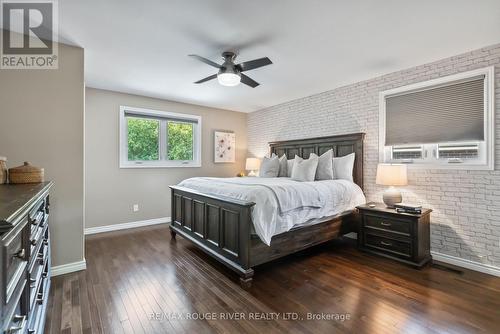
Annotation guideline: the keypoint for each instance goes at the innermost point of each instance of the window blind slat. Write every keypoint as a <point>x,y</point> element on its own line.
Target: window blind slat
<point>454,112</point>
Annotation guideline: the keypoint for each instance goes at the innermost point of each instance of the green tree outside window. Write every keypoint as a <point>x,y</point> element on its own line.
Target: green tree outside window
<point>142,139</point>
<point>179,141</point>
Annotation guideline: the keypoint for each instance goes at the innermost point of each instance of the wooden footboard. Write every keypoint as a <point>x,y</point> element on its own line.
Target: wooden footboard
<point>219,226</point>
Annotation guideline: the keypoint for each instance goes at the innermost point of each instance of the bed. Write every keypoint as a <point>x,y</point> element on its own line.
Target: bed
<point>226,218</point>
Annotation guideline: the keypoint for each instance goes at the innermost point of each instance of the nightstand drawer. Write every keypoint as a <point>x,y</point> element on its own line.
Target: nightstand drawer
<point>396,247</point>
<point>390,225</point>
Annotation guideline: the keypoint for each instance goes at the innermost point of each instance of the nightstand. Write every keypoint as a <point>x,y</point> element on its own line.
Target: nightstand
<point>400,236</point>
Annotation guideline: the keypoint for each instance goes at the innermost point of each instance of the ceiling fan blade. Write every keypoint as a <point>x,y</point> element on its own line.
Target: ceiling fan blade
<point>253,64</point>
<point>213,76</point>
<point>205,60</point>
<point>248,81</point>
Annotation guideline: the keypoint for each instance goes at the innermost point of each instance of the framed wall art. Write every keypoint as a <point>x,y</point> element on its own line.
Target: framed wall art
<point>224,147</point>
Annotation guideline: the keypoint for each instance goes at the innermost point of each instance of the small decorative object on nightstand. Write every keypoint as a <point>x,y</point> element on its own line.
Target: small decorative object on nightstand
<point>253,165</point>
<point>400,236</point>
<point>392,175</point>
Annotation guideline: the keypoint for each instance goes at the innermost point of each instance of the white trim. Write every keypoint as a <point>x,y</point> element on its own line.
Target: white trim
<point>124,226</point>
<point>489,115</point>
<point>162,163</point>
<point>68,268</point>
<point>472,265</point>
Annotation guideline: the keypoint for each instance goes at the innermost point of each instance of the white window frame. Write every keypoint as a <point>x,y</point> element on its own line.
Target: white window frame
<point>162,162</point>
<point>431,161</point>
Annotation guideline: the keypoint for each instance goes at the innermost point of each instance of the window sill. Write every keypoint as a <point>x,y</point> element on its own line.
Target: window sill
<point>457,166</point>
<point>140,166</point>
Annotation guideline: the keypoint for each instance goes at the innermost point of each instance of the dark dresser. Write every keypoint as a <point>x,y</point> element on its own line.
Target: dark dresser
<point>400,236</point>
<point>24,257</point>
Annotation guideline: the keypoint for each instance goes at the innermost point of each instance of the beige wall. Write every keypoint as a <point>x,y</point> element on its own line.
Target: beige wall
<point>111,192</point>
<point>41,121</point>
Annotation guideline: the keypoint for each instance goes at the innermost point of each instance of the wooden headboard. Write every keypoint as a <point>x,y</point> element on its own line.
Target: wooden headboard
<point>341,145</point>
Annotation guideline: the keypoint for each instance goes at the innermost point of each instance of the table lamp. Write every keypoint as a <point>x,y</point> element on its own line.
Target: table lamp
<point>252,164</point>
<point>392,175</point>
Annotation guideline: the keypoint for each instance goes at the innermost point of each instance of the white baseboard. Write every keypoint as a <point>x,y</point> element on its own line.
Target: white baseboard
<point>68,268</point>
<point>472,265</point>
<point>124,226</point>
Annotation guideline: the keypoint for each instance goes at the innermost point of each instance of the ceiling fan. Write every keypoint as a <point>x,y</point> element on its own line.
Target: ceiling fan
<point>230,74</point>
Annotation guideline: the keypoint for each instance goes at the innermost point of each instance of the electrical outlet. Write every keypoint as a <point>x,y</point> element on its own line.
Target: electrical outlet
<point>136,207</point>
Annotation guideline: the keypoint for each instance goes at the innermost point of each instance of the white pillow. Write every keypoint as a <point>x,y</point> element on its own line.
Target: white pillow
<point>304,170</point>
<point>283,169</point>
<point>269,167</point>
<point>325,166</point>
<point>289,167</point>
<point>343,166</point>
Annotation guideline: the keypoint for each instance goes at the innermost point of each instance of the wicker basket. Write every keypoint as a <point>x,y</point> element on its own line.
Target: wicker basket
<point>26,174</point>
<point>3,170</point>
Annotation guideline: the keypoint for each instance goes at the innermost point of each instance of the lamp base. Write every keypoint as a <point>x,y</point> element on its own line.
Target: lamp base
<point>252,173</point>
<point>392,196</point>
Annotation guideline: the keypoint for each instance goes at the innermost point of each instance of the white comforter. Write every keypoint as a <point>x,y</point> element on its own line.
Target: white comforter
<point>281,203</point>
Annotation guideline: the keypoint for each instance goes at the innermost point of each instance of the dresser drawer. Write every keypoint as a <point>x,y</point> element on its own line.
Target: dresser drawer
<point>37,221</point>
<point>16,316</point>
<point>388,245</point>
<point>37,270</point>
<point>15,250</point>
<point>35,278</point>
<point>37,208</point>
<point>389,225</point>
<point>37,314</point>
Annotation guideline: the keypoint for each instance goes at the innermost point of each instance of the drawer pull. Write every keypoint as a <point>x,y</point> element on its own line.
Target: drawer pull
<point>37,219</point>
<point>45,242</point>
<point>385,224</point>
<point>33,242</point>
<point>39,298</point>
<point>383,243</point>
<point>20,253</point>
<point>32,282</point>
<point>15,329</point>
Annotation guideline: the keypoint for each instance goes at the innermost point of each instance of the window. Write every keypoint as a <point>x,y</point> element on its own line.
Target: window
<point>151,138</point>
<point>442,123</point>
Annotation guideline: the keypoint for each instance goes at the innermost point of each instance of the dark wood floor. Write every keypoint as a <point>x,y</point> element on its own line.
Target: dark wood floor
<point>139,281</point>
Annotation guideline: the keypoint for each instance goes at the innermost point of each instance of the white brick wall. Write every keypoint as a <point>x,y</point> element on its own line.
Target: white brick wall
<point>466,204</point>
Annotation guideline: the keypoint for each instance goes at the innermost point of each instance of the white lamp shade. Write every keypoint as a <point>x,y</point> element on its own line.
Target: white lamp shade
<point>252,164</point>
<point>392,175</point>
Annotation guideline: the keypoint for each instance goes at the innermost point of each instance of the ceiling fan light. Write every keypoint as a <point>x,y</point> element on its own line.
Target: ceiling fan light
<point>228,79</point>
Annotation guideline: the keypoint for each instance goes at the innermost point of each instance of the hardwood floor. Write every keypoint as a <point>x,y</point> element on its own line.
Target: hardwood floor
<point>139,281</point>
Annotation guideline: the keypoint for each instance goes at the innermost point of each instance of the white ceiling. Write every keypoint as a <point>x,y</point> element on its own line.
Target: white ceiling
<point>141,47</point>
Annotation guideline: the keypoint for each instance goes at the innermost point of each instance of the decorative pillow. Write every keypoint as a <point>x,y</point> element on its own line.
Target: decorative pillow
<point>283,166</point>
<point>289,167</point>
<point>269,167</point>
<point>291,163</point>
<point>343,166</point>
<point>325,166</point>
<point>304,170</point>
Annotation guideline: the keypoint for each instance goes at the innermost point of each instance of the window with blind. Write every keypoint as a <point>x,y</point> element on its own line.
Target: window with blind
<point>152,138</point>
<point>442,123</point>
